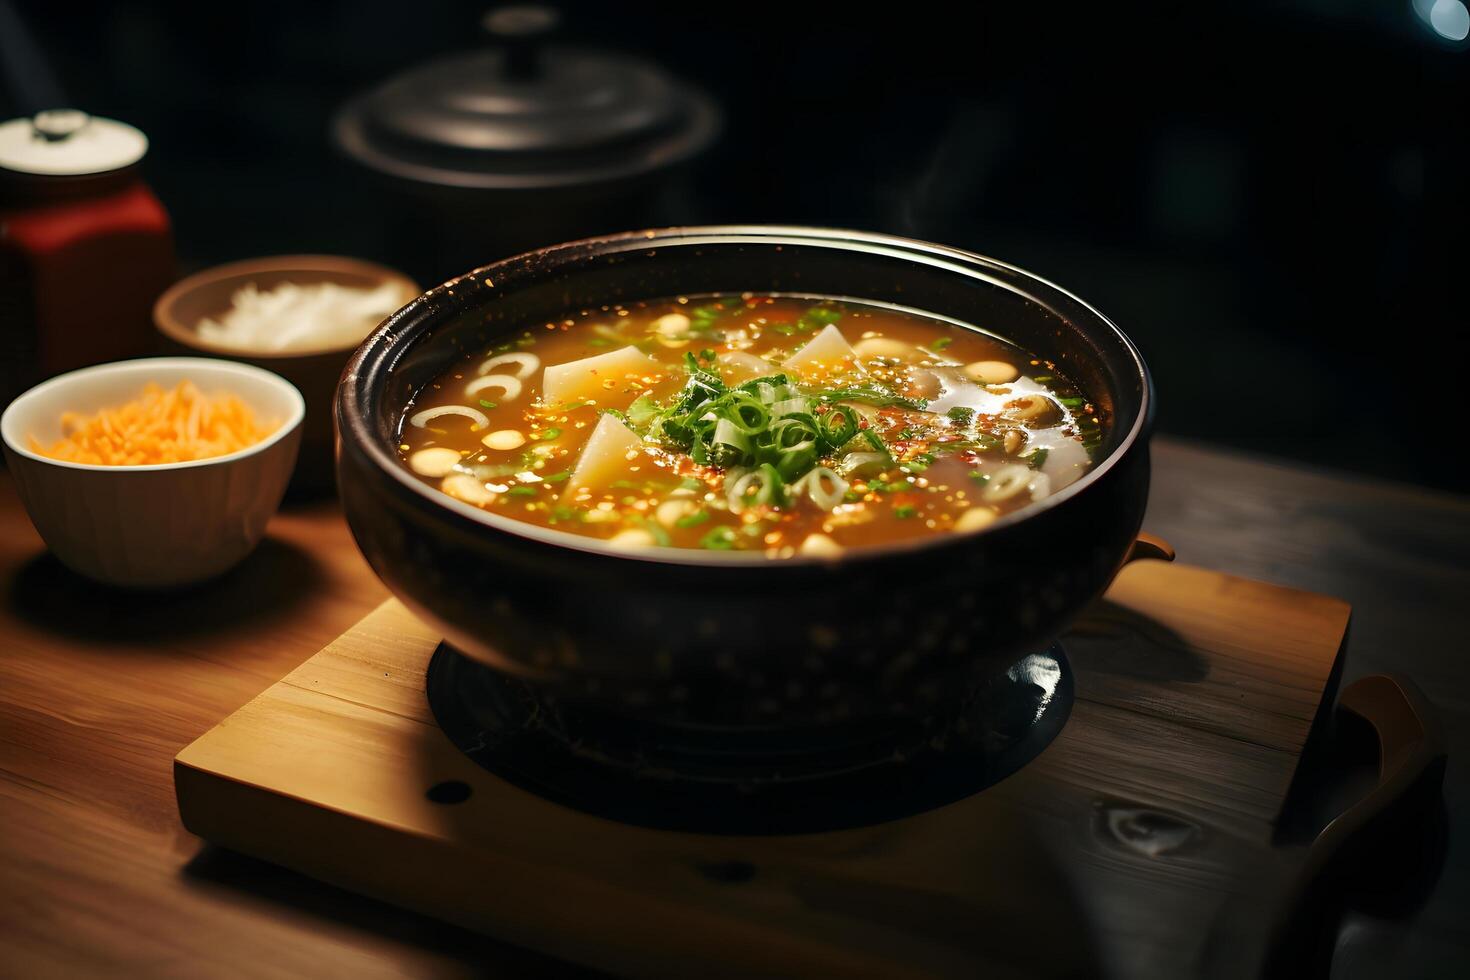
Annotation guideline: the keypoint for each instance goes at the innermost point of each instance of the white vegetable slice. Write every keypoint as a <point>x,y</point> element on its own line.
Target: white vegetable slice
<point>1040,486</point>
<point>898,350</point>
<point>526,363</point>
<point>826,350</point>
<point>738,366</point>
<point>509,387</point>
<point>1066,461</point>
<point>609,454</point>
<point>428,415</point>
<point>434,462</point>
<point>924,384</point>
<point>562,383</point>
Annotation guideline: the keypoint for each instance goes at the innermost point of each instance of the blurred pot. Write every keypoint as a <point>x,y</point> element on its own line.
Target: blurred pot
<point>520,145</point>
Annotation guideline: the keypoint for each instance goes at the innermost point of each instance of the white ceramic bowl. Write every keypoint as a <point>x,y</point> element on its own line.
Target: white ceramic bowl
<point>160,525</point>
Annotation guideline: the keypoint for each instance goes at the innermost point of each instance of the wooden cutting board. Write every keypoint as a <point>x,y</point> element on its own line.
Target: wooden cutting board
<point>1196,692</point>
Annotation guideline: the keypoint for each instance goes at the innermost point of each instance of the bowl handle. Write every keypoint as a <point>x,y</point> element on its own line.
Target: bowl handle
<point>1150,546</point>
<point>1411,762</point>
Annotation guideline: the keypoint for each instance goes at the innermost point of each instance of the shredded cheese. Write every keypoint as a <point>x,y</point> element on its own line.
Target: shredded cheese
<point>174,426</point>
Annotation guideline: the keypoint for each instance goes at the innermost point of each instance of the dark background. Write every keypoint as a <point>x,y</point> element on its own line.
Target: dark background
<point>1270,198</point>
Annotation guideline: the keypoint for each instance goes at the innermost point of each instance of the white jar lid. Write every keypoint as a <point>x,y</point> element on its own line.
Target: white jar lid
<point>69,143</point>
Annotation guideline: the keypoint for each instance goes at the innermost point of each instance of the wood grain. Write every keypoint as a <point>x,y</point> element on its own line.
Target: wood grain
<point>327,772</point>
<point>98,692</point>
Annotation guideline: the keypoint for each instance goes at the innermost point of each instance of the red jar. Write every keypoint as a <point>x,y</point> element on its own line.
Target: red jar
<point>85,247</point>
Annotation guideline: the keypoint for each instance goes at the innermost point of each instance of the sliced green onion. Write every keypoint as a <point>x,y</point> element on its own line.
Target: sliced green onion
<point>692,520</point>
<point>722,538</point>
<point>729,441</point>
<point>854,463</point>
<point>876,442</point>
<point>758,487</point>
<point>837,426</point>
<point>825,488</point>
<point>873,395</point>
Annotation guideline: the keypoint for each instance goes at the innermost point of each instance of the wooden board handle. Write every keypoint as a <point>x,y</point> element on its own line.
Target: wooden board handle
<point>1411,761</point>
<point>1150,546</point>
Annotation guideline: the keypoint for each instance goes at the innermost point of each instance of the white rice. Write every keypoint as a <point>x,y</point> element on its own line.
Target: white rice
<point>296,317</point>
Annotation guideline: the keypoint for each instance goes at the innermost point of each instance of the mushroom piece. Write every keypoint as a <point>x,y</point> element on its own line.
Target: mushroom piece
<point>670,512</point>
<point>974,519</point>
<point>671,325</point>
<point>992,372</point>
<point>820,546</point>
<point>464,487</point>
<point>898,350</point>
<point>632,539</point>
<point>435,462</point>
<point>504,439</point>
<point>1030,408</point>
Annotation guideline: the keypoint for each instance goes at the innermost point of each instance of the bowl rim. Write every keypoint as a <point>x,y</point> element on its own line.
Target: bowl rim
<point>166,323</point>
<point>377,346</point>
<point>142,366</point>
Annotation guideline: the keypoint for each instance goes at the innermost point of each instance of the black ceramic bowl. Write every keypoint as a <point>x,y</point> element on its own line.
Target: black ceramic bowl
<point>729,640</point>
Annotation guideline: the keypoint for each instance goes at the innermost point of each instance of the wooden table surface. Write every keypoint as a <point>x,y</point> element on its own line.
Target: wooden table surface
<point>99,690</point>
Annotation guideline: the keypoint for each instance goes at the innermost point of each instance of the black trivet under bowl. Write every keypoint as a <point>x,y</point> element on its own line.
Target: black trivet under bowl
<point>713,780</point>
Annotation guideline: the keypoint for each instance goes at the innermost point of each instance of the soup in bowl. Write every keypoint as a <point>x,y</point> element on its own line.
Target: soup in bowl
<point>753,478</point>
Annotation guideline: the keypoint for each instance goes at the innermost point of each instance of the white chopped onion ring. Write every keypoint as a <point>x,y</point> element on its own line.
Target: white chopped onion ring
<point>824,499</point>
<point>528,363</point>
<point>511,386</point>
<point>428,415</point>
<point>1006,482</point>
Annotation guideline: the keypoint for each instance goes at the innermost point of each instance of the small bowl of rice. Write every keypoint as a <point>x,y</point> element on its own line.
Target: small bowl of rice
<point>154,473</point>
<point>299,316</point>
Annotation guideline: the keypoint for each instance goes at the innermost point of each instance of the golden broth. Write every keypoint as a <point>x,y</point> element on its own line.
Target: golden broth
<point>776,424</point>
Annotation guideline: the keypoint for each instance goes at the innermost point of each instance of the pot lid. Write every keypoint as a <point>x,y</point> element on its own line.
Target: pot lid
<point>526,114</point>
<point>69,143</point>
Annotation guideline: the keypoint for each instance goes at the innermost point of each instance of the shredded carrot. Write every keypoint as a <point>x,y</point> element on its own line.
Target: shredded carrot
<point>160,426</point>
